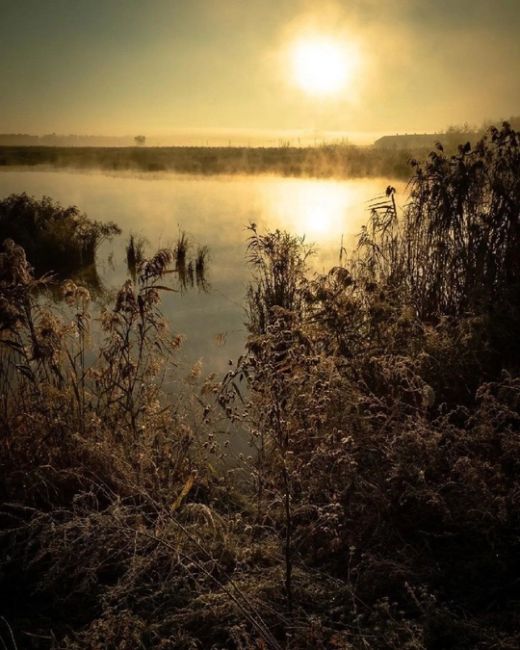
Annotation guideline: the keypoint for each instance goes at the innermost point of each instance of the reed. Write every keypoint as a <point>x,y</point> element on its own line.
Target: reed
<point>201,263</point>
<point>134,255</point>
<point>378,506</point>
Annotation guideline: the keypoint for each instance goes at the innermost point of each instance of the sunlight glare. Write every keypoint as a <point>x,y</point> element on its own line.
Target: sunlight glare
<point>318,210</point>
<point>322,66</point>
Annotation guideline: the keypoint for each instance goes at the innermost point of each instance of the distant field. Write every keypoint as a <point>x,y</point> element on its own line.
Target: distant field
<point>339,161</point>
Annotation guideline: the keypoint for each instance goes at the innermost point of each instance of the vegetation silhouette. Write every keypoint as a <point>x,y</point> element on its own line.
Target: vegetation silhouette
<point>379,506</point>
<point>54,238</point>
<point>134,255</point>
<point>324,161</point>
<point>389,157</point>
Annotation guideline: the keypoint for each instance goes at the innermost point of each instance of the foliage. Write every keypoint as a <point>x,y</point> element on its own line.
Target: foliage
<point>457,253</point>
<point>385,409</point>
<point>54,238</point>
<point>379,506</point>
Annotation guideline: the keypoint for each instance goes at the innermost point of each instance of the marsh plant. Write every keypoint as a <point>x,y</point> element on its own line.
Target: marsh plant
<point>189,272</point>
<point>134,254</point>
<point>378,507</point>
<point>105,488</point>
<point>54,238</point>
<point>384,406</point>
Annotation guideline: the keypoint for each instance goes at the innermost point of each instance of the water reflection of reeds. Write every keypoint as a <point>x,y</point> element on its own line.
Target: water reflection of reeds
<point>190,272</point>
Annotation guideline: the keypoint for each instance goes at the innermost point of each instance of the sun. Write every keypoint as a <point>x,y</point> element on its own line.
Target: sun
<point>322,65</point>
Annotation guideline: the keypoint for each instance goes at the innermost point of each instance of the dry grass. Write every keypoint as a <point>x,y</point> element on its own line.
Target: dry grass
<point>379,506</point>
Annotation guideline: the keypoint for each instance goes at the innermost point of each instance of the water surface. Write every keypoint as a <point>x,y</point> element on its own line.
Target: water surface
<point>214,211</point>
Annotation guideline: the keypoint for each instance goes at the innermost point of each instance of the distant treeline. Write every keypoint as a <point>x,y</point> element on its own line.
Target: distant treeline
<point>55,140</point>
<point>389,157</point>
<point>340,161</point>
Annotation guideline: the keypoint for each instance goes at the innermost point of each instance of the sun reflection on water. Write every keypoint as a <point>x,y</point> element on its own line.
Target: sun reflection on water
<point>214,211</point>
<point>322,211</point>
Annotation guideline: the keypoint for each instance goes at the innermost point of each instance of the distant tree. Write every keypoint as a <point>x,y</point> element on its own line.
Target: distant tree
<point>140,140</point>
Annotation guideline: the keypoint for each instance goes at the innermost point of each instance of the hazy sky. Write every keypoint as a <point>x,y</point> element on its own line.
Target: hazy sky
<point>154,66</point>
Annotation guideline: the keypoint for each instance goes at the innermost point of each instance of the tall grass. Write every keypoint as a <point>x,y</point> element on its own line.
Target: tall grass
<point>379,505</point>
<point>458,250</point>
<point>385,408</point>
<point>201,264</point>
<point>134,255</point>
<point>90,450</point>
<point>191,272</point>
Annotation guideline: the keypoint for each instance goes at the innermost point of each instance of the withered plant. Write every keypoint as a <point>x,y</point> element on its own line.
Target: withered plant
<point>383,399</point>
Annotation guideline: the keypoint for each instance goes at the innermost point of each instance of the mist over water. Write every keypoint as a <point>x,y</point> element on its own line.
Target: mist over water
<point>213,211</point>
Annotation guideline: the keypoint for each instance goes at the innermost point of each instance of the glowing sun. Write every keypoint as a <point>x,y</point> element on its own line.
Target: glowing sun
<point>322,65</point>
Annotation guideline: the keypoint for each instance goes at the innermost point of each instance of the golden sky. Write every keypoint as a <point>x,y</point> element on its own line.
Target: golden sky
<point>118,67</point>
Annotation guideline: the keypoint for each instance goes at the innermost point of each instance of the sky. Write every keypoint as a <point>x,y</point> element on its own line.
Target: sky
<point>119,67</point>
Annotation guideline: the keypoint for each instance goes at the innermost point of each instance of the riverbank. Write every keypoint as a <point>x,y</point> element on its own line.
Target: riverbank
<point>328,161</point>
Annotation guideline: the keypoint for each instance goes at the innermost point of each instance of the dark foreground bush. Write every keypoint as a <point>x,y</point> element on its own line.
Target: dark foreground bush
<point>54,238</point>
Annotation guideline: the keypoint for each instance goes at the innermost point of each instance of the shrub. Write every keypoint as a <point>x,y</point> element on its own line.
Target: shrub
<point>54,238</point>
<point>385,409</point>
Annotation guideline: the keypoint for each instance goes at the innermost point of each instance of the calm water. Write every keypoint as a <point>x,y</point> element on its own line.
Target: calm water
<point>213,211</point>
